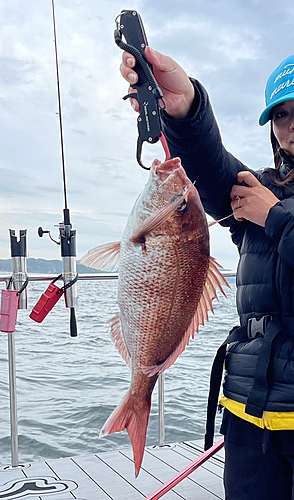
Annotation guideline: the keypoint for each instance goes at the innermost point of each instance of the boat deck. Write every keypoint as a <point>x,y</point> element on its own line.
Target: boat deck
<point>110,475</point>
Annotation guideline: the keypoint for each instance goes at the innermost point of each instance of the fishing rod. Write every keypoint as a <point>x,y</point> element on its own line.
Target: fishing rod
<point>67,235</point>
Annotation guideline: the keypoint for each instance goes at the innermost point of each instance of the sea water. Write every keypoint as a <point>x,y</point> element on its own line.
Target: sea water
<point>67,387</point>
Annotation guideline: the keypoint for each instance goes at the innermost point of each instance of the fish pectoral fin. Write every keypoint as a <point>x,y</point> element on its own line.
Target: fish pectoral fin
<point>118,340</point>
<point>103,258</point>
<point>156,219</point>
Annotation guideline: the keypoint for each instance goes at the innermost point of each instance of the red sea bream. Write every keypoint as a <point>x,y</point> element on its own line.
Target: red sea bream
<point>167,281</point>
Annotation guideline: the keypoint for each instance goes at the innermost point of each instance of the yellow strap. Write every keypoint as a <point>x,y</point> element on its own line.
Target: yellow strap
<point>273,421</point>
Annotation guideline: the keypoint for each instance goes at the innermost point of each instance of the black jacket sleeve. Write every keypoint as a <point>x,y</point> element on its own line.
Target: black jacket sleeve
<point>198,143</point>
<point>280,227</point>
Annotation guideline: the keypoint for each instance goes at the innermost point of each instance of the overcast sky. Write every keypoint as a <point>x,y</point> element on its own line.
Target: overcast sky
<point>230,46</point>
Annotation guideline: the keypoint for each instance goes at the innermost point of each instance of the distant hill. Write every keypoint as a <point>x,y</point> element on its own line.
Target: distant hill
<point>43,266</point>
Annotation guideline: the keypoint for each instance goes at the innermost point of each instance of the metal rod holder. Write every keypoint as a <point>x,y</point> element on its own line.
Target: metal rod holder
<point>69,274</point>
<point>19,264</point>
<point>19,276</point>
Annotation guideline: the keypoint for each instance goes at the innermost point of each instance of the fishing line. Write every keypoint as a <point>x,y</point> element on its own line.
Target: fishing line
<point>59,109</point>
<point>220,220</point>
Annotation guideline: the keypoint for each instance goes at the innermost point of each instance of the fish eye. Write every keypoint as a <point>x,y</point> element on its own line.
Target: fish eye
<point>183,207</point>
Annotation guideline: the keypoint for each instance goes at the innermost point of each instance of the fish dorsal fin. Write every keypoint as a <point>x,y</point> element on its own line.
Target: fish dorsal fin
<point>214,281</point>
<point>118,340</point>
<point>103,258</point>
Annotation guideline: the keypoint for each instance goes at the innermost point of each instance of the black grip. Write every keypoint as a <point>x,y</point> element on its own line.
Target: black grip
<point>130,26</point>
<point>149,127</point>
<point>68,241</point>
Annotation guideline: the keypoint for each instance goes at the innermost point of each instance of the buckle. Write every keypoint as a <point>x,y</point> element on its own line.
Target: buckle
<point>256,326</point>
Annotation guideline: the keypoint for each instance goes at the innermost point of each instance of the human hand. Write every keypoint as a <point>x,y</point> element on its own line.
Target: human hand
<point>178,91</point>
<point>252,202</point>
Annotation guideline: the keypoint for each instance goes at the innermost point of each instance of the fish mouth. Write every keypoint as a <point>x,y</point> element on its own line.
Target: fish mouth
<point>173,167</point>
<point>163,170</point>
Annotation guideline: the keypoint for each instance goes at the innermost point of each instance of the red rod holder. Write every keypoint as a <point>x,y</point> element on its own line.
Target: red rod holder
<point>46,302</point>
<point>9,308</point>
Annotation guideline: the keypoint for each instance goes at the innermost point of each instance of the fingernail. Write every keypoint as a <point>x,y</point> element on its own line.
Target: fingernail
<point>132,77</point>
<point>130,62</point>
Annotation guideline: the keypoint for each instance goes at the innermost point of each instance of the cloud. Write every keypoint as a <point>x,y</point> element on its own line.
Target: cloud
<point>230,45</point>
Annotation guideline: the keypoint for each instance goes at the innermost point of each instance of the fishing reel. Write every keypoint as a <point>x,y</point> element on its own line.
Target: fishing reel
<point>42,231</point>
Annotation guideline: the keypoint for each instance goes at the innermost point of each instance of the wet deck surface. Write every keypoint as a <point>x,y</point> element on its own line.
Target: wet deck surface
<point>110,475</point>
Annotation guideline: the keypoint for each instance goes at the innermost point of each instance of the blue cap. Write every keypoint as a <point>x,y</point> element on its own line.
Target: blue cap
<point>279,88</point>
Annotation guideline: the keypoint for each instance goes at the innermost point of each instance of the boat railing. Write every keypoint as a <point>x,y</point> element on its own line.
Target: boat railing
<point>12,367</point>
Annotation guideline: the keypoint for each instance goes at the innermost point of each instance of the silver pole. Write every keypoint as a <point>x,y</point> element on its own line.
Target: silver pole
<point>13,406</point>
<point>161,430</point>
<point>19,274</point>
<point>69,273</point>
<point>18,249</point>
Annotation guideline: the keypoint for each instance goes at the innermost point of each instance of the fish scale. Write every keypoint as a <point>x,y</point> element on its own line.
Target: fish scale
<point>167,281</point>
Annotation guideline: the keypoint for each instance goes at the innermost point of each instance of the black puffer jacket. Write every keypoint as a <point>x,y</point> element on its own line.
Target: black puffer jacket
<point>265,274</point>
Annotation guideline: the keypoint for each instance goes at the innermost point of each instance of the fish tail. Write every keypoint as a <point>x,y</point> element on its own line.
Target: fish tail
<point>134,417</point>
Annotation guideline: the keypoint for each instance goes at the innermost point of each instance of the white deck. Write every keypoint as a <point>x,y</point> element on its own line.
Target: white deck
<point>110,475</point>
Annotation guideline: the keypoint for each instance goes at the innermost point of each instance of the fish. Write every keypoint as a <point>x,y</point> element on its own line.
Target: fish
<point>166,284</point>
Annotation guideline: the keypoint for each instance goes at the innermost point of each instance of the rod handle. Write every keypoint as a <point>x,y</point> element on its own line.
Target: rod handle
<point>73,323</point>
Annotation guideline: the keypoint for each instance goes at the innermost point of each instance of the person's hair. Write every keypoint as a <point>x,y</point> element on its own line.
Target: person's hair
<point>278,160</point>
